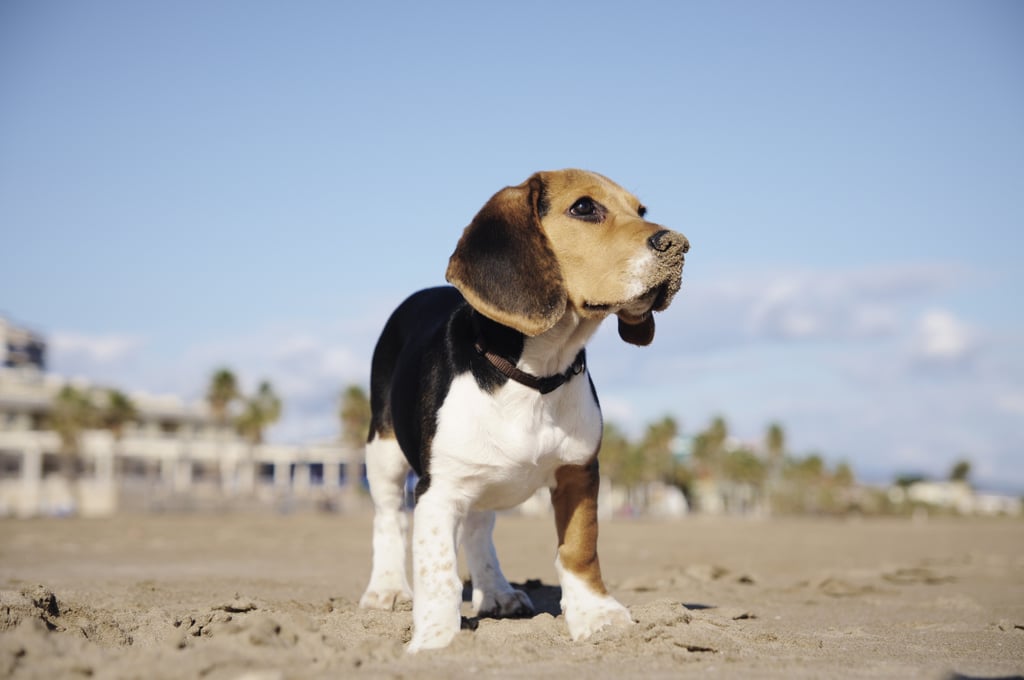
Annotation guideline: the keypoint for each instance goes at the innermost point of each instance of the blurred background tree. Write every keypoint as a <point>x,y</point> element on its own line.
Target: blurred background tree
<point>73,413</point>
<point>620,461</point>
<point>221,393</point>
<point>656,449</point>
<point>118,412</point>
<point>259,411</point>
<point>961,471</point>
<point>775,450</point>
<point>718,473</point>
<point>709,449</point>
<point>354,413</point>
<point>775,445</point>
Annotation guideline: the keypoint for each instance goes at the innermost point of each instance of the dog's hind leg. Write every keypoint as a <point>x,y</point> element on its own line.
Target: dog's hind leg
<point>492,594</point>
<point>386,470</point>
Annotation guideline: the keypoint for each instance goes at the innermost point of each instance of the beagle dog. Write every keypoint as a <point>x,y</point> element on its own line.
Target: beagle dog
<point>483,390</point>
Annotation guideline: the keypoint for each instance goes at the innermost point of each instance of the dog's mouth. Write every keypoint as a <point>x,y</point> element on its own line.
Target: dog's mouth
<point>636,314</point>
<point>637,310</point>
<point>636,318</point>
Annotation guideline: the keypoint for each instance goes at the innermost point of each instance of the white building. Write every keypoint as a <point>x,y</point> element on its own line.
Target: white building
<point>175,453</point>
<point>959,497</point>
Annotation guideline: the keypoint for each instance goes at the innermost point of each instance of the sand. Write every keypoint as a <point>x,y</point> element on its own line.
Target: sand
<point>274,596</point>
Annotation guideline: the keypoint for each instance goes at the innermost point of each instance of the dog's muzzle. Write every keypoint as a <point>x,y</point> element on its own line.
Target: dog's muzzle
<point>665,240</point>
<point>667,274</point>
<point>636,325</point>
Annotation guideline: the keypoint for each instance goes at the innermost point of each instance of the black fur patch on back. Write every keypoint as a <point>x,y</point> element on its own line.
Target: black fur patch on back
<point>427,342</point>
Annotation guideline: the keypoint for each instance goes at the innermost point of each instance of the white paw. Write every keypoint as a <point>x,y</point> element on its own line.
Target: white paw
<point>586,619</point>
<point>388,599</point>
<point>431,637</point>
<point>504,605</point>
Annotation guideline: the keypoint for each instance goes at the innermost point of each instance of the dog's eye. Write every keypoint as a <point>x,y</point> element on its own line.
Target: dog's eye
<point>585,208</point>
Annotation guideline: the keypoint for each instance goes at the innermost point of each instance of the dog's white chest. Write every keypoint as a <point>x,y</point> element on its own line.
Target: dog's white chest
<point>499,448</point>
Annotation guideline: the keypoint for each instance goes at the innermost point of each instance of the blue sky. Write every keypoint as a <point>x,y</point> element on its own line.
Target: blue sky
<point>257,184</point>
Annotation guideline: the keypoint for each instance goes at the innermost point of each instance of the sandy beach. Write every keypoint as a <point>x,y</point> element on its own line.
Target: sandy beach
<point>264,596</point>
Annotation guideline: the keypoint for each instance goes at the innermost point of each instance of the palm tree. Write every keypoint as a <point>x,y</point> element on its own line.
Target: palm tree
<point>709,448</point>
<point>222,391</point>
<point>73,413</point>
<point>615,457</point>
<point>260,411</point>
<point>354,414</point>
<point>960,471</point>
<point>775,446</point>
<point>657,448</point>
<point>115,414</point>
<point>118,412</point>
<point>743,467</point>
<point>718,432</point>
<point>843,476</point>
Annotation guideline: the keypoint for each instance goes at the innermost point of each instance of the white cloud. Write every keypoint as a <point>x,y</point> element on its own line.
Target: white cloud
<point>81,353</point>
<point>942,338</point>
<point>874,319</point>
<point>844,305</point>
<point>802,305</point>
<point>1011,403</point>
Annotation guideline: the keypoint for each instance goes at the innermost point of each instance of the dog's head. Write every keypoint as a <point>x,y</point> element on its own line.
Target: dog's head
<point>565,239</point>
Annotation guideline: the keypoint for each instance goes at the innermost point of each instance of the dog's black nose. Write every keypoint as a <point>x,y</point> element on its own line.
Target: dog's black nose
<point>665,239</point>
<point>659,241</point>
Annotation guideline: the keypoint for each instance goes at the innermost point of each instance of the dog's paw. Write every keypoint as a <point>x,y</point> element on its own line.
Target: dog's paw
<point>388,600</point>
<point>510,604</point>
<point>431,637</point>
<point>586,619</point>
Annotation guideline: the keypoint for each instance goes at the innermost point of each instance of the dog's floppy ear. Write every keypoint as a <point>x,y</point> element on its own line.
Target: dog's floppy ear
<point>504,265</point>
<point>641,333</point>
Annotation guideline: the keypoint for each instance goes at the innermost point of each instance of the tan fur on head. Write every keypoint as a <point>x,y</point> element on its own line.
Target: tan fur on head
<point>562,239</point>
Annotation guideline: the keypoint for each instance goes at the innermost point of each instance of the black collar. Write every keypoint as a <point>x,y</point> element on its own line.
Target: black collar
<point>543,385</point>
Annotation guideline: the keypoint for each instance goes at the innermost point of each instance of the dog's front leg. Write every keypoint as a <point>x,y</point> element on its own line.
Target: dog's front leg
<point>586,604</point>
<point>437,590</point>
